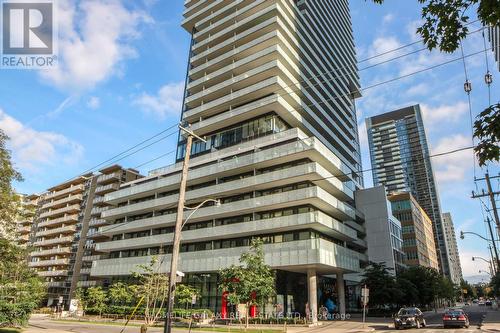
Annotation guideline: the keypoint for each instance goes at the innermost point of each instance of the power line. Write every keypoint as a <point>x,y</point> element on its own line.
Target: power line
<point>129,149</point>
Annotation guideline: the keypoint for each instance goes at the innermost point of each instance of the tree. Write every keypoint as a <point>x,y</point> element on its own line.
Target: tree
<point>382,285</point>
<point>21,290</point>
<point>468,290</point>
<point>250,283</point>
<point>427,281</point>
<point>495,284</point>
<point>487,130</point>
<point>446,23</point>
<point>121,293</point>
<point>184,294</point>
<point>153,288</point>
<point>93,299</point>
<point>9,200</point>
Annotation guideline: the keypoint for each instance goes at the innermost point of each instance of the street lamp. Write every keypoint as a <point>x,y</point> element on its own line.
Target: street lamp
<point>492,240</point>
<point>194,209</point>
<point>487,261</point>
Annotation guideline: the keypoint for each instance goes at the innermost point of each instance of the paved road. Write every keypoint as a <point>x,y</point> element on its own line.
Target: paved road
<point>434,324</point>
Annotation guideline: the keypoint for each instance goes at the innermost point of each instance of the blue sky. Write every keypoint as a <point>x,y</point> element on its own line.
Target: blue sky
<point>120,80</point>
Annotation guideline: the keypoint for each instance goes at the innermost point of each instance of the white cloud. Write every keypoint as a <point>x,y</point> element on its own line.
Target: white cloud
<point>382,45</point>
<point>452,167</point>
<point>94,103</point>
<point>436,116</point>
<point>168,100</point>
<point>388,18</point>
<point>94,40</point>
<point>32,149</point>
<point>418,90</point>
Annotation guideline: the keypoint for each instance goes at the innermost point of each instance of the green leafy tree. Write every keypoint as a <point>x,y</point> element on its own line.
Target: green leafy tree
<point>121,293</point>
<point>410,294</point>
<point>252,282</point>
<point>21,290</point>
<point>382,285</point>
<point>153,287</point>
<point>495,284</point>
<point>468,290</point>
<point>95,300</point>
<point>184,294</point>
<point>427,281</point>
<point>9,200</point>
<point>445,24</point>
<point>487,130</point>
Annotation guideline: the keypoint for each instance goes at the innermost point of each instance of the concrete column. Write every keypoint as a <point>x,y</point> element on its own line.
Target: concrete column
<point>312,284</point>
<point>341,293</point>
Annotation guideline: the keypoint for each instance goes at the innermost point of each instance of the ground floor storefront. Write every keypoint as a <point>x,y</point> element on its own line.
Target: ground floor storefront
<point>297,295</point>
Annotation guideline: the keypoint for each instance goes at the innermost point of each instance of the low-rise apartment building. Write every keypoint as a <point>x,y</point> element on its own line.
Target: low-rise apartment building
<point>417,230</point>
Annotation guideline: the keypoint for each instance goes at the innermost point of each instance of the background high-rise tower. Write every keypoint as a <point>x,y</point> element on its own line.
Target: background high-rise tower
<point>400,160</point>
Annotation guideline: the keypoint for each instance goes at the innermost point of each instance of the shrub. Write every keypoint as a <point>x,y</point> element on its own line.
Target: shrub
<point>15,315</point>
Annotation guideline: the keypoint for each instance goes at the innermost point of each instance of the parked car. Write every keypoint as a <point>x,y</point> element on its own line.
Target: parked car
<point>475,301</point>
<point>466,304</point>
<point>455,318</point>
<point>481,303</point>
<point>409,317</point>
<point>488,303</point>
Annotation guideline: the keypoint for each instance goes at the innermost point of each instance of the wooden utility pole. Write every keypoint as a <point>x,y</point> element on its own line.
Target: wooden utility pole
<point>493,240</point>
<point>178,229</point>
<point>491,195</point>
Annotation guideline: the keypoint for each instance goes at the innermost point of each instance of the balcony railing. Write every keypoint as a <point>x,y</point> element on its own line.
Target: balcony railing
<point>98,210</point>
<point>106,188</point>
<point>67,209</point>
<point>71,189</point>
<point>59,240</point>
<point>87,284</point>
<point>98,222</point>
<point>45,263</point>
<point>53,273</point>
<point>63,230</point>
<point>64,219</point>
<point>61,250</point>
<point>115,176</point>
<point>71,199</point>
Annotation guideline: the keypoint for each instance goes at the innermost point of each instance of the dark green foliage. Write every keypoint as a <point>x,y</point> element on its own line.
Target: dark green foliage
<point>487,130</point>
<point>20,288</point>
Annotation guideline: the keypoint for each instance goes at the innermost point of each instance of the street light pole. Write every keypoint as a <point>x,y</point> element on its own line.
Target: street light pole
<point>178,228</point>
<point>493,241</point>
<point>489,262</point>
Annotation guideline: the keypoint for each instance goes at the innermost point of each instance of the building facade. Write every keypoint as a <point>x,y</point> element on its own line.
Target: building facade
<point>64,219</point>
<point>400,160</point>
<point>282,156</point>
<point>494,37</point>
<point>451,238</point>
<point>417,231</point>
<point>107,180</point>
<point>383,231</point>
<point>60,220</point>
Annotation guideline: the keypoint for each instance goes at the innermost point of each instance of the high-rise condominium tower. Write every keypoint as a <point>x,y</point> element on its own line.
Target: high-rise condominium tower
<point>400,160</point>
<point>494,36</point>
<point>451,238</point>
<point>271,85</point>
